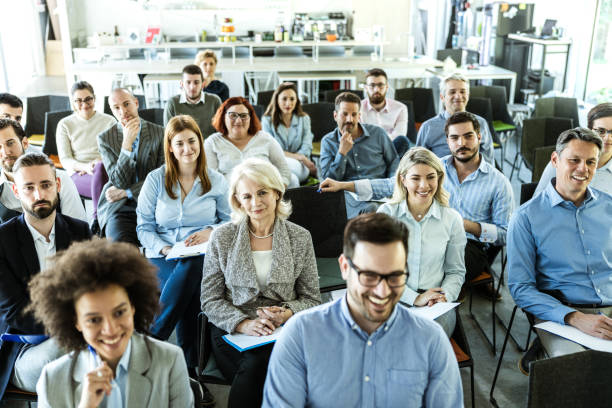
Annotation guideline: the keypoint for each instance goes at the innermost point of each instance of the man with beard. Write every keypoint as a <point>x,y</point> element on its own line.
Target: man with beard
<point>11,107</point>
<point>356,151</point>
<point>365,350</point>
<point>13,144</point>
<point>454,93</point>
<point>387,113</point>
<point>200,105</point>
<point>25,243</point>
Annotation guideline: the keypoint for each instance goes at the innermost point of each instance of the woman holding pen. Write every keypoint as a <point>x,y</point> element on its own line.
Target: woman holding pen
<point>181,202</point>
<point>96,300</point>
<point>437,239</point>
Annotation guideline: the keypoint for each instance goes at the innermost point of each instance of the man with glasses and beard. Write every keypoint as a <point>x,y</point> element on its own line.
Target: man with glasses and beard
<point>365,350</point>
<point>387,113</point>
<point>13,144</point>
<point>25,243</point>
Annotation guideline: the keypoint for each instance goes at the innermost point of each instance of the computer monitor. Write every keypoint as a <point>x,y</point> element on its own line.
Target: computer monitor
<point>547,29</point>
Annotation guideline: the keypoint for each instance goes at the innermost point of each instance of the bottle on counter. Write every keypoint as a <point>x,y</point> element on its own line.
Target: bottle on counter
<point>285,34</point>
<point>116,36</point>
<point>278,33</point>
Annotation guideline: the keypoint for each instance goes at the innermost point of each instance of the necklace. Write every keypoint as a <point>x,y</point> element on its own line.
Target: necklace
<point>258,237</point>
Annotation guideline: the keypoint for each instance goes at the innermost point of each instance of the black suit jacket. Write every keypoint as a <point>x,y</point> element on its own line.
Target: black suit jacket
<point>18,263</point>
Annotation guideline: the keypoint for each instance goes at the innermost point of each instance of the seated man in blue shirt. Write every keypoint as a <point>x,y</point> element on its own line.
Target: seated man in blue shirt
<point>454,93</point>
<point>560,248</point>
<point>356,151</point>
<point>388,357</point>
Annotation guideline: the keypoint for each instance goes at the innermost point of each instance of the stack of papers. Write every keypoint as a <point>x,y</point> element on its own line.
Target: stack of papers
<point>242,342</point>
<point>575,335</point>
<point>435,311</point>
<point>180,250</point>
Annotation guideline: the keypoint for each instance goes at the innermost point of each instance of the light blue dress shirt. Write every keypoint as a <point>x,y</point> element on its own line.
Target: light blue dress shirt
<point>602,179</point>
<point>295,139</point>
<point>436,249</point>
<point>432,136</point>
<point>552,245</point>
<point>162,221</point>
<point>324,359</point>
<point>133,155</point>
<point>372,156</point>
<point>485,197</point>
<point>118,396</point>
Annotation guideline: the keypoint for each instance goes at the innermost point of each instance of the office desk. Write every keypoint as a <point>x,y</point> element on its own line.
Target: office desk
<point>482,72</point>
<point>545,44</point>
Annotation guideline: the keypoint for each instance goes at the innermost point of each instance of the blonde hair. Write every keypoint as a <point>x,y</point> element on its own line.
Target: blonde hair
<point>264,173</point>
<point>202,55</point>
<point>414,156</point>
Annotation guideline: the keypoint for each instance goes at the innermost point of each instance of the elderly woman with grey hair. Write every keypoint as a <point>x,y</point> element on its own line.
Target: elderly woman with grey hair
<point>258,272</point>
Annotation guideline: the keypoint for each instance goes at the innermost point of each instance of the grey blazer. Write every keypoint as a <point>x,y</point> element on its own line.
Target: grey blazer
<point>230,292</point>
<point>122,170</point>
<point>157,377</point>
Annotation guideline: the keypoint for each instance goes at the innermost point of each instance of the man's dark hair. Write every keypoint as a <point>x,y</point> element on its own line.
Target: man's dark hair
<point>377,228</point>
<point>578,133</point>
<point>33,159</point>
<point>347,97</point>
<point>5,123</point>
<point>192,69</point>
<point>81,85</point>
<point>376,72</point>
<point>462,117</point>
<point>11,100</point>
<point>603,110</point>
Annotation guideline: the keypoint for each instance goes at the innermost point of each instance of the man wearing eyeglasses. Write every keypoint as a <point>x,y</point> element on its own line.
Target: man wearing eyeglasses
<point>193,101</point>
<point>130,149</point>
<point>599,119</point>
<point>387,113</point>
<point>365,350</point>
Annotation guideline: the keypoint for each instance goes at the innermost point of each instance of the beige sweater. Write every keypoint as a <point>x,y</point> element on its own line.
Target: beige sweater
<point>76,138</point>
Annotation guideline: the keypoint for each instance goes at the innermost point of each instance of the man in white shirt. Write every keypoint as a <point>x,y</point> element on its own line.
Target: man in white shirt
<point>26,242</point>
<point>13,144</point>
<point>387,113</point>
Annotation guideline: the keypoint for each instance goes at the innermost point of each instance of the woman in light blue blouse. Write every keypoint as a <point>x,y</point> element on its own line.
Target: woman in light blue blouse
<point>182,201</point>
<point>285,120</point>
<point>436,249</point>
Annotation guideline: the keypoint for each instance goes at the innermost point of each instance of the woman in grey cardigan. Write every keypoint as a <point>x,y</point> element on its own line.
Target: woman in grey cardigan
<point>259,271</point>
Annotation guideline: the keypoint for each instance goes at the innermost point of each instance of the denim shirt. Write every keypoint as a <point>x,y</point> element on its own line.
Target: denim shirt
<point>295,139</point>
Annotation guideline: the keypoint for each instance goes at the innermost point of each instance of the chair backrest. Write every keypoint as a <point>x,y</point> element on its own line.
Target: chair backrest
<point>259,111</point>
<point>423,100</point>
<point>264,97</point>
<point>482,107</point>
<point>527,190</point>
<point>499,104</point>
<point>323,215</point>
<point>154,115</point>
<point>51,121</point>
<point>455,54</point>
<point>38,106</point>
<point>411,132</point>
<point>557,107</point>
<point>541,160</point>
<point>289,51</point>
<point>321,118</point>
<point>330,96</point>
<point>574,380</point>
<point>538,132</point>
<point>142,104</point>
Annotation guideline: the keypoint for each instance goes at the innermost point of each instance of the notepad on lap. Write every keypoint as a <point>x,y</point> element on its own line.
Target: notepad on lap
<point>575,335</point>
<point>435,311</point>
<point>180,250</point>
<point>242,342</point>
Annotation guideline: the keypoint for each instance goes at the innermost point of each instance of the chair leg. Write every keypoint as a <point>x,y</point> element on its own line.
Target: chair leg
<point>472,385</point>
<point>491,340</point>
<point>501,357</point>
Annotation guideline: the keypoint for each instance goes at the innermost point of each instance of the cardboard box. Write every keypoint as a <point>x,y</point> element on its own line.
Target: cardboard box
<point>54,58</point>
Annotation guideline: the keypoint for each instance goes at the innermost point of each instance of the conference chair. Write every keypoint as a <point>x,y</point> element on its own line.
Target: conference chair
<point>49,144</point>
<point>264,98</point>
<point>15,394</point>
<point>330,96</point>
<point>557,107</point>
<point>154,115</point>
<point>483,108</point>
<point>461,348</point>
<point>321,122</point>
<point>259,111</point>
<point>542,158</point>
<point>36,107</point>
<point>411,133</point>
<point>142,104</point>
<point>538,132</point>
<point>423,101</point>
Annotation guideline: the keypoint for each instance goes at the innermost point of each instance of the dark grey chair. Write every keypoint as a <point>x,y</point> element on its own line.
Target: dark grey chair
<point>264,98</point>
<point>411,133</point>
<point>330,96</point>
<point>38,106</point>
<point>542,158</point>
<point>154,115</point>
<point>557,107</point>
<point>423,101</point>
<point>49,145</point>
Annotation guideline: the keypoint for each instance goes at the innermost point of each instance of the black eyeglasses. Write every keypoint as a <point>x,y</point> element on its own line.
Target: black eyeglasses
<point>87,100</point>
<point>602,132</point>
<point>371,279</point>
<point>234,116</point>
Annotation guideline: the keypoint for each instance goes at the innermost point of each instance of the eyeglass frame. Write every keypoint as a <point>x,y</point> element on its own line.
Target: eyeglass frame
<point>380,276</point>
<point>602,132</point>
<point>378,85</point>
<point>87,100</point>
<point>243,116</point>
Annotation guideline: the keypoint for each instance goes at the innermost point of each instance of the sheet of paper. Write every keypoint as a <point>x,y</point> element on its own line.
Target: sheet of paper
<point>435,311</point>
<point>180,250</point>
<point>575,335</point>
<point>242,342</point>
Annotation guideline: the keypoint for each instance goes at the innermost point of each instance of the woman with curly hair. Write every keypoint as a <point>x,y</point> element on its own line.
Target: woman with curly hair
<point>96,299</point>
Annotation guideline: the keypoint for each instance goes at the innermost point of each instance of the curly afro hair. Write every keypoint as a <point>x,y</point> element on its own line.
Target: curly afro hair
<point>86,267</point>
